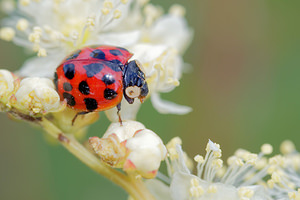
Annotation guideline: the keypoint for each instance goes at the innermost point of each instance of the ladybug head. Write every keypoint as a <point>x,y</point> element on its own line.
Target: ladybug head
<point>134,83</point>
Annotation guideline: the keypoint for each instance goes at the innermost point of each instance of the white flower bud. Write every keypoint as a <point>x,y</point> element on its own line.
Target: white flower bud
<point>8,84</point>
<point>37,96</point>
<point>146,152</point>
<point>124,132</point>
<point>132,147</point>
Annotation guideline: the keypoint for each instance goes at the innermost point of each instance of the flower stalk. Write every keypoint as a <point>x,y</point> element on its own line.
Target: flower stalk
<point>133,185</point>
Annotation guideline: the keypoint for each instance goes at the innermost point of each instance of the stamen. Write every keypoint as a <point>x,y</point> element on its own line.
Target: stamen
<point>245,193</point>
<point>105,11</point>
<point>287,147</point>
<point>195,190</point>
<point>7,33</point>
<point>117,14</point>
<point>199,159</point>
<point>90,22</point>
<point>177,10</point>
<point>276,177</point>
<point>266,149</point>
<point>108,4</point>
<point>212,189</point>
<point>42,52</point>
<point>25,2</point>
<point>22,24</point>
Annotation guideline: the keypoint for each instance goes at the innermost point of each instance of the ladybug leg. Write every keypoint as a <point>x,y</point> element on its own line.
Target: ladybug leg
<point>119,108</point>
<point>79,113</point>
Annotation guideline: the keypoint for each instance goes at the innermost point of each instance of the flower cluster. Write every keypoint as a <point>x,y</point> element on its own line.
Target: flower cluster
<point>55,28</point>
<point>58,28</point>
<point>132,147</point>
<point>33,96</point>
<point>52,30</point>
<point>247,176</point>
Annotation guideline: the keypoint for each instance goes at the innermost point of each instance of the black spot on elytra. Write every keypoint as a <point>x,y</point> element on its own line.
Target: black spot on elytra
<point>116,62</point>
<point>67,87</point>
<point>91,104</point>
<point>115,65</point>
<point>93,69</point>
<point>55,80</point>
<point>116,52</point>
<point>69,70</point>
<point>121,48</point>
<point>108,79</point>
<point>84,88</point>
<point>98,54</point>
<point>110,94</point>
<point>74,55</point>
<point>70,99</point>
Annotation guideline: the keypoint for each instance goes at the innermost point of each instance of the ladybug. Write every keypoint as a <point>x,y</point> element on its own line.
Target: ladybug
<point>96,79</point>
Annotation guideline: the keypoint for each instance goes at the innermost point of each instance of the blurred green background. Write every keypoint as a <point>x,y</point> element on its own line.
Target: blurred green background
<point>244,89</point>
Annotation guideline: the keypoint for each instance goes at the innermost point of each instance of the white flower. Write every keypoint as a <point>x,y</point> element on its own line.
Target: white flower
<point>36,96</point>
<point>132,147</point>
<point>240,180</point>
<point>171,30</point>
<point>163,68</point>
<point>54,29</point>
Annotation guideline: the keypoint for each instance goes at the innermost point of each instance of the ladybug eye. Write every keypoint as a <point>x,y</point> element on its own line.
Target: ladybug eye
<point>133,92</point>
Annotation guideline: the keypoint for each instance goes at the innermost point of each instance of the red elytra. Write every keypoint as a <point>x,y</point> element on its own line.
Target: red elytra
<point>95,79</point>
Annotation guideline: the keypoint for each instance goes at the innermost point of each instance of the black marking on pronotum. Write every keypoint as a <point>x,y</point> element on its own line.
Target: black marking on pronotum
<point>116,62</point>
<point>114,65</point>
<point>133,76</point>
<point>55,80</point>
<point>74,55</point>
<point>84,88</point>
<point>70,99</point>
<point>67,86</point>
<point>98,54</point>
<point>91,104</point>
<point>108,79</point>
<point>69,70</point>
<point>110,94</point>
<point>115,52</point>
<point>93,69</point>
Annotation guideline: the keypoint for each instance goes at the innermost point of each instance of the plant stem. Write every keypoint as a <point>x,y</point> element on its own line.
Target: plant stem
<point>134,186</point>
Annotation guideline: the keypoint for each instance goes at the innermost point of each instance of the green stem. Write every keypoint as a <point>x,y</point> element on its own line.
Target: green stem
<point>134,186</point>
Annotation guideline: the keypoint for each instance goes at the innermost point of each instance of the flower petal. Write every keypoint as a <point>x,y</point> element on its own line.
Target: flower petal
<point>41,66</point>
<point>127,112</point>
<point>158,189</point>
<point>122,39</point>
<point>124,131</point>
<point>172,30</point>
<point>145,53</point>
<point>180,185</point>
<point>167,107</point>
